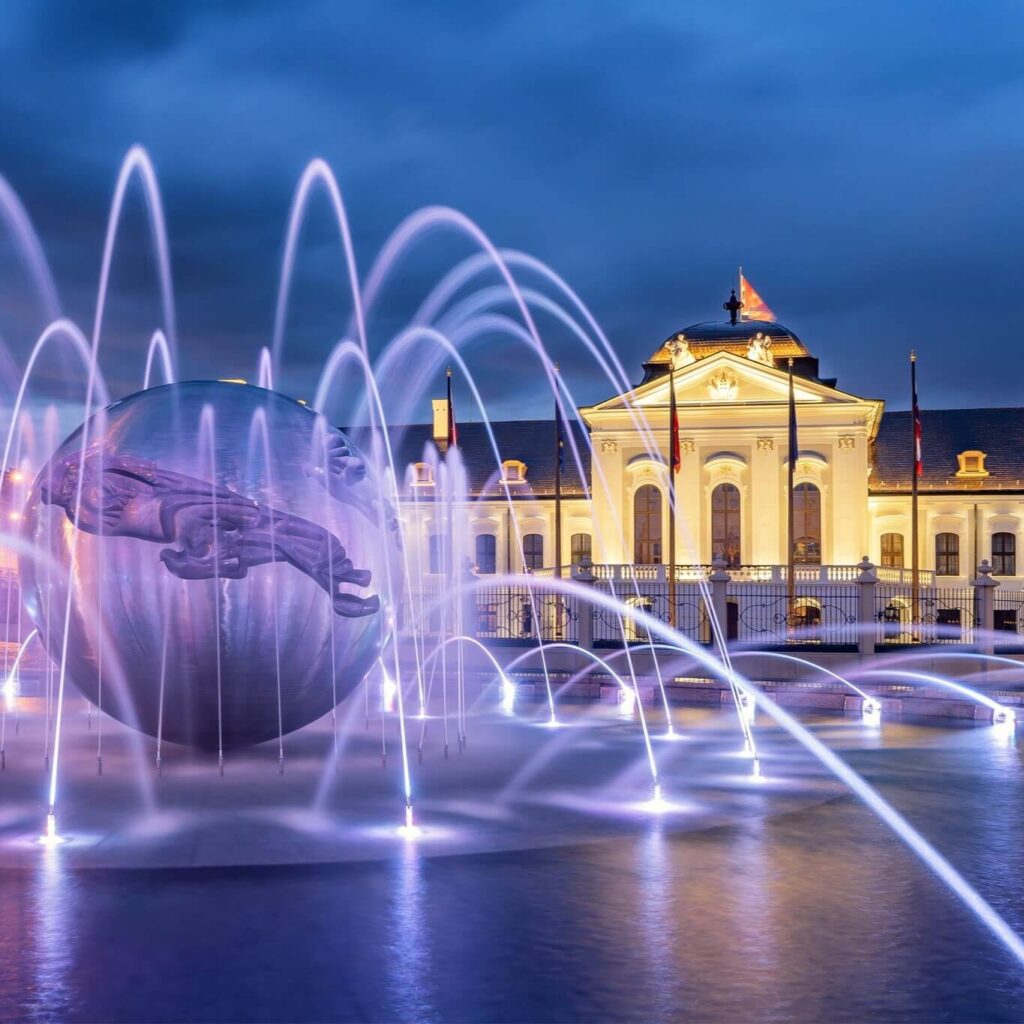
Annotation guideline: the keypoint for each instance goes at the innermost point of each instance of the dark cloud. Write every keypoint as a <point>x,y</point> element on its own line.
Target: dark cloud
<point>861,160</point>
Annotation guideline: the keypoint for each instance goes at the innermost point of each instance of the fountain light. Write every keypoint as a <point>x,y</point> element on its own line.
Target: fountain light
<point>1004,716</point>
<point>50,836</point>
<point>508,695</point>
<point>389,691</point>
<point>627,703</point>
<point>10,692</point>
<point>748,710</point>
<point>410,830</point>
<point>872,710</point>
<point>756,773</point>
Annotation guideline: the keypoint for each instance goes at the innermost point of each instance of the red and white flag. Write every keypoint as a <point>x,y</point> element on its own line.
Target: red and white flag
<point>754,307</point>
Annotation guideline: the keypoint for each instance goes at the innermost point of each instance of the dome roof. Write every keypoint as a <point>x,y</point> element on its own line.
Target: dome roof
<point>718,332</point>
<point>713,336</point>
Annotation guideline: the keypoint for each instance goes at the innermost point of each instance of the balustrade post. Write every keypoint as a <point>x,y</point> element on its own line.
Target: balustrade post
<point>866,621</point>
<point>585,626</point>
<point>719,583</point>
<point>984,607</point>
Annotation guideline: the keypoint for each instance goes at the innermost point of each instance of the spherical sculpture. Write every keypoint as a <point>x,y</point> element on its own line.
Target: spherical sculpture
<point>224,559</point>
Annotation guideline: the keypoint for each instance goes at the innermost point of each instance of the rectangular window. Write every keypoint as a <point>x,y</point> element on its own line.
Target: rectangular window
<point>1004,554</point>
<point>580,547</point>
<point>533,551</point>
<point>486,554</point>
<point>892,550</point>
<point>947,554</point>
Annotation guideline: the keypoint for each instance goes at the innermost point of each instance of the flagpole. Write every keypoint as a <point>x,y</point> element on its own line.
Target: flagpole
<point>450,442</point>
<point>790,471</point>
<point>558,483</point>
<point>672,430</point>
<point>915,589</point>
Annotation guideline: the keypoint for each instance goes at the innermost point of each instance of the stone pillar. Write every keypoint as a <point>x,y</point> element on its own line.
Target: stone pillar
<point>585,626</point>
<point>719,583</point>
<point>984,607</point>
<point>866,582</point>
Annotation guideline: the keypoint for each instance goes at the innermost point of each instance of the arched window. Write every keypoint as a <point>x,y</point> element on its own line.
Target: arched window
<point>580,547</point>
<point>947,554</point>
<point>486,553</point>
<point>892,550</point>
<point>807,524</point>
<point>533,551</point>
<point>647,525</point>
<point>725,523</point>
<point>1004,554</point>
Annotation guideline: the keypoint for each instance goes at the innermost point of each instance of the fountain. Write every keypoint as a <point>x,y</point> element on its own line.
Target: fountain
<point>209,567</point>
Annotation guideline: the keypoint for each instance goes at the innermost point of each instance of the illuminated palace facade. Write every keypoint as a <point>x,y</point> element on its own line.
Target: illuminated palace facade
<point>852,474</point>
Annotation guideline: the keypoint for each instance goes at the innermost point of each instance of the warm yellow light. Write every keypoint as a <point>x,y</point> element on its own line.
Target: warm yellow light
<point>231,380</point>
<point>17,476</point>
<point>14,516</point>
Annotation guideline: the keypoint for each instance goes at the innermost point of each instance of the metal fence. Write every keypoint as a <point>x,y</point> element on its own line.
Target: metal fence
<point>1008,618</point>
<point>930,615</point>
<point>613,628</point>
<point>501,612</point>
<point>524,613</point>
<point>822,615</point>
<point>756,613</point>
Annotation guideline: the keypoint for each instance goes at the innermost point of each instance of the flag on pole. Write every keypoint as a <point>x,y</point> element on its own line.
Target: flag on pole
<point>918,466</point>
<point>559,438</point>
<point>793,447</point>
<point>453,432</point>
<point>754,307</point>
<point>673,422</point>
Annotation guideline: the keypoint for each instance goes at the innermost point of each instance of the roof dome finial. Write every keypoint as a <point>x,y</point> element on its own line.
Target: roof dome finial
<point>733,306</point>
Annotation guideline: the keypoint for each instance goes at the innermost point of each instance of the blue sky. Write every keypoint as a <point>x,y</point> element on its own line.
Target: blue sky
<point>863,162</point>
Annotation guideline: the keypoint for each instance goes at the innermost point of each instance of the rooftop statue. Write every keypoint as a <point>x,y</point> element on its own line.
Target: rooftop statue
<point>211,531</point>
<point>679,352</point>
<point>760,350</point>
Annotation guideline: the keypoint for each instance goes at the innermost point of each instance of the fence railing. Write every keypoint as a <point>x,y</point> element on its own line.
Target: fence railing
<point>753,573</point>
<point>824,614</point>
<point>933,615</point>
<point>864,613</point>
<point>612,628</point>
<point>508,612</point>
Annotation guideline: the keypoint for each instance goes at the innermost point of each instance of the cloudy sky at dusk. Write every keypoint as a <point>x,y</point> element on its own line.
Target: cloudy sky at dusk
<point>863,161</point>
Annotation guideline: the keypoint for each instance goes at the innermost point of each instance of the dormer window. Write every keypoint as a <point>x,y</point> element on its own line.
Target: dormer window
<point>972,464</point>
<point>513,471</point>
<point>422,474</point>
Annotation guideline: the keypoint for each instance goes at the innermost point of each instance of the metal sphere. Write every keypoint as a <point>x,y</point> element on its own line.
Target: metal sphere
<point>231,570</point>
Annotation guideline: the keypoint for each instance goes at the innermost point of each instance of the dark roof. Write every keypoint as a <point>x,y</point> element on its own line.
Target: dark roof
<point>530,441</point>
<point>944,434</point>
<point>714,331</point>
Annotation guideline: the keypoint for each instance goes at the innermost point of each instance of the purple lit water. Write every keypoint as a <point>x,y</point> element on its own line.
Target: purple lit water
<point>801,907</point>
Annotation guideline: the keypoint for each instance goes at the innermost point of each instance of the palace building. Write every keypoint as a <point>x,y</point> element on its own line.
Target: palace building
<point>852,475</point>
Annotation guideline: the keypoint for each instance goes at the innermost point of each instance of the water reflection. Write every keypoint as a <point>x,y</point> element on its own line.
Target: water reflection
<point>408,953</point>
<point>654,913</point>
<point>52,938</point>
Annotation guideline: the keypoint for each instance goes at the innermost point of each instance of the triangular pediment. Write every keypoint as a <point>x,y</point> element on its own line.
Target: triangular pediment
<point>726,379</point>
